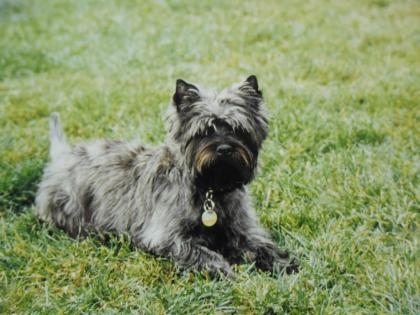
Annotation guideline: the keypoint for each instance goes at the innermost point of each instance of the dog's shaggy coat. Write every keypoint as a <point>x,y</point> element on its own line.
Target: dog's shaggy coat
<point>156,194</point>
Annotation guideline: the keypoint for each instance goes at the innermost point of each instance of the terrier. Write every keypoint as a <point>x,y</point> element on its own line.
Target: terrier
<point>186,199</point>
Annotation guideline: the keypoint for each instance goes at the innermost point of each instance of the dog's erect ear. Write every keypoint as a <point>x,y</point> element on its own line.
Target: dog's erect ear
<point>184,93</point>
<point>251,86</point>
<point>252,80</point>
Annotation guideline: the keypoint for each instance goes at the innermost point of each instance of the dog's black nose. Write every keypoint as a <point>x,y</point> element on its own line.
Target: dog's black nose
<point>224,149</point>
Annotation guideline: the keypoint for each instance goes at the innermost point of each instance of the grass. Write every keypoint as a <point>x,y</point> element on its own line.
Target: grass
<point>339,174</point>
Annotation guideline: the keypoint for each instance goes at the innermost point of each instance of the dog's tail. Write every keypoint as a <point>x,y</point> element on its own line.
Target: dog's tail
<point>58,143</point>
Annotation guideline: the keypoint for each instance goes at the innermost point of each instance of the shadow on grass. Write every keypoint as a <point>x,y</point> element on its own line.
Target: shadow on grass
<point>18,184</point>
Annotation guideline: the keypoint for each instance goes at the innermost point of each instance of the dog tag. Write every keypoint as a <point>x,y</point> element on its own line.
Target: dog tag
<point>209,218</point>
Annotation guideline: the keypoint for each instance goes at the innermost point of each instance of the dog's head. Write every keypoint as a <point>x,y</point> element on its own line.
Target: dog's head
<point>220,134</point>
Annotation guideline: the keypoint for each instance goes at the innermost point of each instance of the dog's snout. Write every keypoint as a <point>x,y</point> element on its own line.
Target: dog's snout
<point>224,149</point>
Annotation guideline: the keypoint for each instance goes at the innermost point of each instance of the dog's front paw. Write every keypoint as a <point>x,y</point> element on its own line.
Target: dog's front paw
<point>276,261</point>
<point>219,268</point>
<point>289,266</point>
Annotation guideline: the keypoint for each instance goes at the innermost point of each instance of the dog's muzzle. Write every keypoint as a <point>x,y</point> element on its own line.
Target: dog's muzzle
<point>224,165</point>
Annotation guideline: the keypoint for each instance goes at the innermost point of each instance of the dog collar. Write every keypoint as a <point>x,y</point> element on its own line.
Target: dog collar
<point>209,216</point>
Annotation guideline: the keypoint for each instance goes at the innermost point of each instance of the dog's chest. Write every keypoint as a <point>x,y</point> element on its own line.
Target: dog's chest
<point>218,237</point>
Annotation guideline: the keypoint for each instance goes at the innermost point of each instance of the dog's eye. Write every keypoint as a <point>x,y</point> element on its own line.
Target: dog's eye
<point>241,133</point>
<point>210,131</point>
<point>229,129</point>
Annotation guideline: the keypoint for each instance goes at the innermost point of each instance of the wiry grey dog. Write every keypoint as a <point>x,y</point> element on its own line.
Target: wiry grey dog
<point>185,199</point>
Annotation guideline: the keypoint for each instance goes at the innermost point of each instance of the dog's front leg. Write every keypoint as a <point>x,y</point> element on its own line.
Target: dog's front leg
<point>189,255</point>
<point>266,255</point>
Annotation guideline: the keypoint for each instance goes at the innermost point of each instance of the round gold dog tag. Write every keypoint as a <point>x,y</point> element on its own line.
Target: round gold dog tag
<point>209,218</point>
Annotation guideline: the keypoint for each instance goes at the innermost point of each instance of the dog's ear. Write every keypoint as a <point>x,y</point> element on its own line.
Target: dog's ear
<point>184,93</point>
<point>252,82</point>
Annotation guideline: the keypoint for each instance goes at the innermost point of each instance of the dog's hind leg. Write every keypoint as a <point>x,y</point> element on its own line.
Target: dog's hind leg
<point>62,209</point>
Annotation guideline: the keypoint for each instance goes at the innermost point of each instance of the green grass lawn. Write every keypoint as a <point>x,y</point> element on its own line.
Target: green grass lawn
<point>339,174</point>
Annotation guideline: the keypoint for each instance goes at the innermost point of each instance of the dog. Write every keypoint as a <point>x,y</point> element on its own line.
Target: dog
<point>186,199</point>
